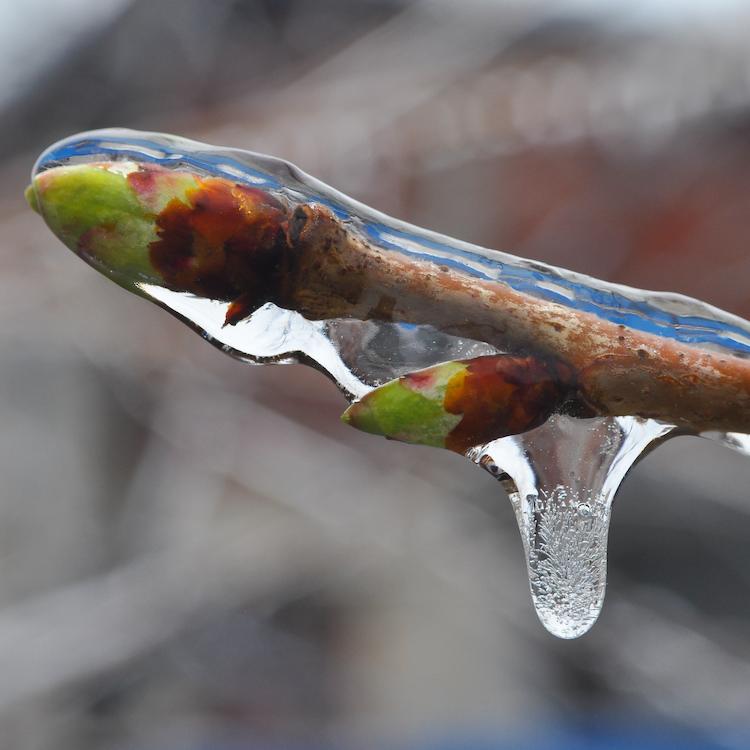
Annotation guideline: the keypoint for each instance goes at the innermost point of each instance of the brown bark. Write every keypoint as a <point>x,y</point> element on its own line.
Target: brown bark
<point>331,271</point>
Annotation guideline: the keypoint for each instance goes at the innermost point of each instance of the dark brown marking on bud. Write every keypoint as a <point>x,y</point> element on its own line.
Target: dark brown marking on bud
<point>503,395</point>
<point>226,242</point>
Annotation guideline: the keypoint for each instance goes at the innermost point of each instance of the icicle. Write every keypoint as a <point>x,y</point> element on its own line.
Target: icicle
<point>563,477</point>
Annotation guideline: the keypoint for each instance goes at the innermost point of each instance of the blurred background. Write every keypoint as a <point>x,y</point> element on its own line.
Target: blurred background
<point>196,554</point>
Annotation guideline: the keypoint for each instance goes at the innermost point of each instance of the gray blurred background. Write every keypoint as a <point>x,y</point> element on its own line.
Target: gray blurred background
<point>196,554</point>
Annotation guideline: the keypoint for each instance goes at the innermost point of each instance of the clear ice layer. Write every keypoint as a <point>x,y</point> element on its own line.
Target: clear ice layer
<point>671,316</point>
<point>357,355</point>
<point>562,476</point>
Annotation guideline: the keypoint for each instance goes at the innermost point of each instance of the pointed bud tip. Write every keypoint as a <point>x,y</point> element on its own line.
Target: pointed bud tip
<point>359,415</point>
<point>31,199</point>
<point>353,414</point>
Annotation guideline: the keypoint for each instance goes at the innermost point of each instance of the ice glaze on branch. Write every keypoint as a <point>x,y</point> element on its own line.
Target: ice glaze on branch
<point>332,272</point>
<point>174,226</point>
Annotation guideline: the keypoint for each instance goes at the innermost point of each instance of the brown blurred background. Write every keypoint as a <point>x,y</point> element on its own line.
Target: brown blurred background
<point>196,554</point>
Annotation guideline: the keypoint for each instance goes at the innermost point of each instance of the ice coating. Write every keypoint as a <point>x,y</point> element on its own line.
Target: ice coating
<point>563,477</point>
<point>553,379</point>
<point>665,315</point>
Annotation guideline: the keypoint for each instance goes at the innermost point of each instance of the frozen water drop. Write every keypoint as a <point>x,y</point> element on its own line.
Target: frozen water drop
<point>567,561</point>
<point>563,515</point>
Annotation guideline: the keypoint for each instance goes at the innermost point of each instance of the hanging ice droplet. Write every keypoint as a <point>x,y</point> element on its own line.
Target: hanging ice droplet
<point>563,477</point>
<point>567,560</point>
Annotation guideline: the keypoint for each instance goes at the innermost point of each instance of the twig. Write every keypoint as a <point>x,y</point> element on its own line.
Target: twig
<point>333,272</point>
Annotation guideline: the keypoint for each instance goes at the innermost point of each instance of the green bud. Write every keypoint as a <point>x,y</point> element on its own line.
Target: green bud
<point>409,409</point>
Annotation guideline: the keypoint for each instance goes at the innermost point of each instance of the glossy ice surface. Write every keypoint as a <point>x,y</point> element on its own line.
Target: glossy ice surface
<point>553,381</point>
